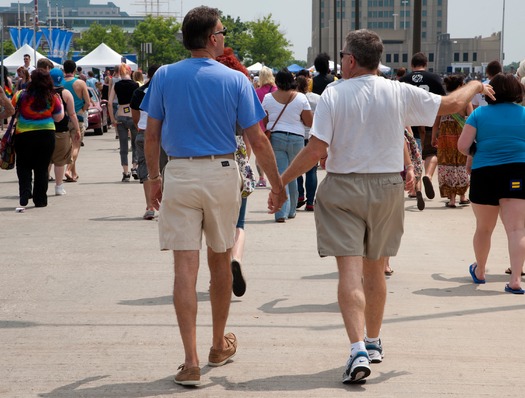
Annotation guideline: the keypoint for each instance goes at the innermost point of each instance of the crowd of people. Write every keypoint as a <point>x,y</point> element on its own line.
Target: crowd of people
<point>375,138</point>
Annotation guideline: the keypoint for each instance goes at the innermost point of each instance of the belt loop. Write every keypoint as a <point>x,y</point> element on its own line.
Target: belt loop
<point>190,158</point>
<point>212,157</point>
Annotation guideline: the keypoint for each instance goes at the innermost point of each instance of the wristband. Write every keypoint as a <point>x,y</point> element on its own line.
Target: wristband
<point>157,177</point>
<point>276,193</point>
<point>409,165</point>
<point>482,88</point>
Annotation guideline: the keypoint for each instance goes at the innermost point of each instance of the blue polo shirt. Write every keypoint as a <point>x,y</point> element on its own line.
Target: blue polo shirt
<point>199,102</point>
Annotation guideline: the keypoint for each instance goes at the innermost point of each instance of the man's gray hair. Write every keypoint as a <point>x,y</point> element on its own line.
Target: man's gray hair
<point>366,47</point>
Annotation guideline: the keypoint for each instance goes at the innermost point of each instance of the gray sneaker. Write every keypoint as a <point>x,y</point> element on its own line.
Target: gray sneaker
<point>149,215</point>
<point>375,351</point>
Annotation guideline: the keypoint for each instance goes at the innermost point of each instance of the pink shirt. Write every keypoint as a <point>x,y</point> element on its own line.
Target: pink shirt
<point>261,92</point>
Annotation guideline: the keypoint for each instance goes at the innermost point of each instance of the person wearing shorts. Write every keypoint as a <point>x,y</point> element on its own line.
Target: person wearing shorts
<point>201,184</point>
<point>428,81</point>
<point>493,136</point>
<point>140,119</point>
<point>359,207</point>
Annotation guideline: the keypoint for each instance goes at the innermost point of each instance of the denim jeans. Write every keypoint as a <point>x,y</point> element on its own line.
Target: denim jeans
<point>286,146</point>
<point>311,185</point>
<point>125,123</point>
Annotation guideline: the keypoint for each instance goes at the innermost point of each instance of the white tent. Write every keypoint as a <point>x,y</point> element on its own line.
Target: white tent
<point>17,58</point>
<point>103,56</point>
<point>330,65</point>
<point>256,67</point>
<point>384,69</point>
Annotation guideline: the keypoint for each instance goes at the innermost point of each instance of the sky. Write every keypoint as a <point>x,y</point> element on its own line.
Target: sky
<point>467,18</point>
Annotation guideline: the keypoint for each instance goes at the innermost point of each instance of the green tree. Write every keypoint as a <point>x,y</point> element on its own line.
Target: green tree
<point>9,48</point>
<point>267,44</point>
<point>163,35</point>
<point>237,37</point>
<point>114,36</point>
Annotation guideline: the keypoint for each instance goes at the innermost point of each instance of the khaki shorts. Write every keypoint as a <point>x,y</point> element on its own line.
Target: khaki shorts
<point>72,130</point>
<point>62,153</point>
<point>359,215</point>
<point>199,195</point>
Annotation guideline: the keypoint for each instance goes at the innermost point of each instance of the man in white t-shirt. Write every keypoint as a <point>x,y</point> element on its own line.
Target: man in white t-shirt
<point>27,64</point>
<point>358,132</point>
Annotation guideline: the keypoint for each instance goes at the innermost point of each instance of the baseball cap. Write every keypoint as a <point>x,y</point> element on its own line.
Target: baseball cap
<point>57,75</point>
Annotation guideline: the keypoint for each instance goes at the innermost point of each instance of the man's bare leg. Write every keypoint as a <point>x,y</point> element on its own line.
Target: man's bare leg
<point>220,294</point>
<point>185,302</point>
<point>351,296</point>
<point>374,284</point>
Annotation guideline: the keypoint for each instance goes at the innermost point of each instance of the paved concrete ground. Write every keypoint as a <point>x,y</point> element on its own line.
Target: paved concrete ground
<point>85,301</point>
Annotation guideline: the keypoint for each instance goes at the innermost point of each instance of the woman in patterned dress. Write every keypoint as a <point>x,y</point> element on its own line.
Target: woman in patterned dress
<point>453,176</point>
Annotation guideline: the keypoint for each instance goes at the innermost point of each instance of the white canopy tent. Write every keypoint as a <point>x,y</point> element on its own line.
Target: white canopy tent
<point>256,67</point>
<point>331,65</point>
<point>103,56</point>
<point>17,58</point>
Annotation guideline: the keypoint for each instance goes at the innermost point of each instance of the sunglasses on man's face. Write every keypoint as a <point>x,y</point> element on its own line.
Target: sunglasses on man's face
<point>221,32</point>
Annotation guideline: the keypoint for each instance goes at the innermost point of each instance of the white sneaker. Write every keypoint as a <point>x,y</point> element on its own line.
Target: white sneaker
<point>357,368</point>
<point>59,190</point>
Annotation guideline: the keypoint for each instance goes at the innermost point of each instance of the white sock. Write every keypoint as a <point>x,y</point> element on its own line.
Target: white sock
<point>371,340</point>
<point>356,347</point>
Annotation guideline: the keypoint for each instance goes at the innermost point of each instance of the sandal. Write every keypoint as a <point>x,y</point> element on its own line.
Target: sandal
<point>509,271</point>
<point>450,206</point>
<point>464,202</point>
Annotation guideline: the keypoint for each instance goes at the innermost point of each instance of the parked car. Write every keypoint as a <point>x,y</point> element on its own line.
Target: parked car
<point>97,113</point>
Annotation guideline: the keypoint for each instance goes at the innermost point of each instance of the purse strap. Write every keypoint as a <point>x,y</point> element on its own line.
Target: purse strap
<point>292,96</point>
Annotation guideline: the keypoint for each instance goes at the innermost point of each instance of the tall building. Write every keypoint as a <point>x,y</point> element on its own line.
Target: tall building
<point>76,15</point>
<point>393,20</point>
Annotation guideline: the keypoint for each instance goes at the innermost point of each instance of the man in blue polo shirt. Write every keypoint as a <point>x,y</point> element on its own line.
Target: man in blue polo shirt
<point>193,107</point>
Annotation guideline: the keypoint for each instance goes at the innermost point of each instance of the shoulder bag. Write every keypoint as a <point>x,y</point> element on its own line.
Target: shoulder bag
<point>7,144</point>
<point>269,132</point>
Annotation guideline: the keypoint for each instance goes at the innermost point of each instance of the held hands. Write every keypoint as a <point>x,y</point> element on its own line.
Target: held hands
<point>276,200</point>
<point>155,187</point>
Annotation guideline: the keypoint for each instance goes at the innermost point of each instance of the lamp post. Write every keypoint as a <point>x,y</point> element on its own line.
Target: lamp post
<point>405,2</point>
<point>395,20</point>
<point>502,55</point>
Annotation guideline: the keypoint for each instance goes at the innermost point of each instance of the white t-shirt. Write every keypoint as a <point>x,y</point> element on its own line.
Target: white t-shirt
<point>313,100</point>
<point>362,120</point>
<point>290,120</point>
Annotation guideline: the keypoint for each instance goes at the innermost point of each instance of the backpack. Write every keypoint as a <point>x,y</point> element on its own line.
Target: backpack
<point>62,125</point>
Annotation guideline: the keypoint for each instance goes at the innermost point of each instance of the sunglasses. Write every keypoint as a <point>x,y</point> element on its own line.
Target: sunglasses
<point>221,32</point>
<point>342,54</point>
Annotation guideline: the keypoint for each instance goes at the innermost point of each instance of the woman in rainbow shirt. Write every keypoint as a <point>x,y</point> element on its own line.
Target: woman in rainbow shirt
<point>38,109</point>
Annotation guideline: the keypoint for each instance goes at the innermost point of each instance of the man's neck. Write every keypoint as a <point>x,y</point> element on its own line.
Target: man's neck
<point>202,53</point>
<point>418,69</point>
<point>69,75</point>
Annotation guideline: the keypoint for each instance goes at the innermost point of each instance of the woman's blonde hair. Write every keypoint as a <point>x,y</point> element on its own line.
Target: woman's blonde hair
<point>266,76</point>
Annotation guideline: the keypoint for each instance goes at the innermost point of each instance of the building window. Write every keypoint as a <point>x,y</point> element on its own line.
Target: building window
<point>430,57</point>
<point>465,57</point>
<point>388,58</point>
<point>456,57</point>
<point>474,57</point>
<point>438,24</point>
<point>405,58</point>
<point>396,58</point>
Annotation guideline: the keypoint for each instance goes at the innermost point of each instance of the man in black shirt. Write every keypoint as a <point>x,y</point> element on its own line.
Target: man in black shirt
<point>324,78</point>
<point>431,82</point>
